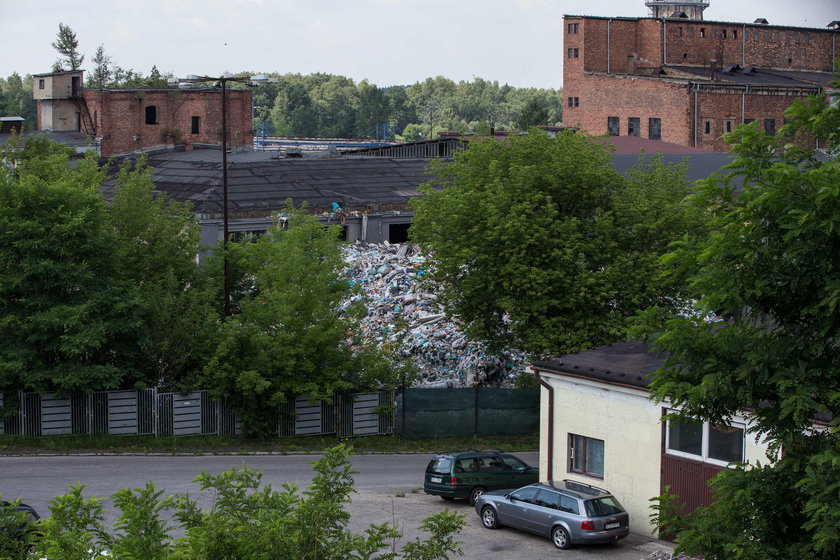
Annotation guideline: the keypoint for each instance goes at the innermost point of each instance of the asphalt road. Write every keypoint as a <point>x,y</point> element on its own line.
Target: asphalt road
<point>389,489</point>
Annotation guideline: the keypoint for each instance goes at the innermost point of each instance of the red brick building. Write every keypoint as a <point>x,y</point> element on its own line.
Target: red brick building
<point>688,81</point>
<point>131,120</point>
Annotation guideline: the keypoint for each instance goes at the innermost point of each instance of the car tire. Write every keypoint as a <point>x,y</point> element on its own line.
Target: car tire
<point>447,498</point>
<point>560,538</point>
<point>475,493</point>
<point>489,518</point>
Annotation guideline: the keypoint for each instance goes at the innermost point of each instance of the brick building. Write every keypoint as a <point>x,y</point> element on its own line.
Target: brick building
<point>130,120</point>
<point>685,80</point>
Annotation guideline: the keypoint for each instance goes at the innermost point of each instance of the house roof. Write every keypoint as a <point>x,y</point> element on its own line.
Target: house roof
<point>628,363</point>
<point>749,75</point>
<point>70,138</point>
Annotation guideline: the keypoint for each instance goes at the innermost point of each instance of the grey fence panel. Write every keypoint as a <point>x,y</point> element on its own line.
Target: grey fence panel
<point>186,411</point>
<point>122,412</point>
<point>210,410</point>
<point>56,418</point>
<point>307,417</point>
<point>365,414</point>
<point>165,414</point>
<point>2,424</point>
<point>286,419</point>
<point>147,411</point>
<point>98,403</point>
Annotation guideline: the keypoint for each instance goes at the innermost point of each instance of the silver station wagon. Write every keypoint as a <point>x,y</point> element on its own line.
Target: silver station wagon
<point>567,512</point>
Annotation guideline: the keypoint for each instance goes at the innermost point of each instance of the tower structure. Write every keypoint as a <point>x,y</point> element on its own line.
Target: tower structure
<point>686,9</point>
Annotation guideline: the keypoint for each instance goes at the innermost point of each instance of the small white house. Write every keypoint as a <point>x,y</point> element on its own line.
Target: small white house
<point>598,425</point>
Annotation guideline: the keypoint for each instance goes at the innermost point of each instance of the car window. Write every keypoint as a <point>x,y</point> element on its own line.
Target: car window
<point>569,505</point>
<point>547,498</point>
<point>514,463</point>
<point>601,507</point>
<point>439,465</point>
<point>466,465</point>
<point>490,464</point>
<point>525,494</point>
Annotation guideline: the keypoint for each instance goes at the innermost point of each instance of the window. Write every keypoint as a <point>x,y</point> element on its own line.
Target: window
<point>634,126</point>
<point>691,32</point>
<point>151,114</point>
<point>705,441</point>
<point>734,33</point>
<point>569,505</point>
<point>41,83</point>
<point>748,121</point>
<point>586,456</point>
<point>702,32</point>
<point>613,126</point>
<point>728,126</point>
<point>679,31</point>
<point>573,28</point>
<point>707,127</point>
<point>547,499</point>
<point>770,127</point>
<point>574,101</point>
<point>723,33</point>
<point>196,125</point>
<point>509,462</point>
<point>655,129</point>
<point>574,53</point>
<point>526,494</point>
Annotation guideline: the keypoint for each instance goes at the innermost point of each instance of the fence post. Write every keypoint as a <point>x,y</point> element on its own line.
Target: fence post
<point>475,412</point>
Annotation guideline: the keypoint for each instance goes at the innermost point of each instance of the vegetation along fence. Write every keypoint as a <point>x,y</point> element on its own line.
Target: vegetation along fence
<point>149,412</point>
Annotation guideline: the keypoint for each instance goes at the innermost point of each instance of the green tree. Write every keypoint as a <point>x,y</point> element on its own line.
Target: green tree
<point>68,47</point>
<point>290,338</point>
<point>101,75</point>
<point>768,275</point>
<point>16,99</point>
<point>66,317</point>
<point>532,115</point>
<point>532,240</point>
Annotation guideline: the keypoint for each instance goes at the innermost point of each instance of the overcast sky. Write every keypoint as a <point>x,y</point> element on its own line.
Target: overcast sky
<point>387,42</point>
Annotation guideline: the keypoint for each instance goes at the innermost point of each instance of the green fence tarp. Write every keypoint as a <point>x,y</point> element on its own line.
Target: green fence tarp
<point>466,412</point>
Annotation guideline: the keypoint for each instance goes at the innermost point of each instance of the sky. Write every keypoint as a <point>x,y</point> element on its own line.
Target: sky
<point>387,42</point>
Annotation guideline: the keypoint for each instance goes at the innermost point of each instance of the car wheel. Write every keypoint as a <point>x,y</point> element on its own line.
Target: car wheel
<point>475,493</point>
<point>447,498</point>
<point>489,518</point>
<point>560,538</point>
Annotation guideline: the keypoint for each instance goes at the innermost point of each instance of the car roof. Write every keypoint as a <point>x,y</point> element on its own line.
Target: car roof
<point>471,453</point>
<point>578,489</point>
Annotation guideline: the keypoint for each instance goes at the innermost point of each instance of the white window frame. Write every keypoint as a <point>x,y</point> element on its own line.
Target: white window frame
<point>704,457</point>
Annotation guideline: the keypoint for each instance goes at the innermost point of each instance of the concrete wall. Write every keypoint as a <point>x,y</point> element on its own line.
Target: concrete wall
<point>630,425</point>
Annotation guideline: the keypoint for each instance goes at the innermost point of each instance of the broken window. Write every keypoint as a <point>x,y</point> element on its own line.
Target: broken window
<point>634,126</point>
<point>614,126</point>
<point>770,127</point>
<point>734,33</point>
<point>398,233</point>
<point>655,128</point>
<point>151,114</point>
<point>41,83</point>
<point>196,125</point>
<point>702,31</point>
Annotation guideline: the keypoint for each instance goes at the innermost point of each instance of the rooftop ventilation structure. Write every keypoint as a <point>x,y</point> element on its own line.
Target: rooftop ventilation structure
<point>685,9</point>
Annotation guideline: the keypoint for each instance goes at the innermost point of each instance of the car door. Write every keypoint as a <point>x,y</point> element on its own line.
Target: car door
<point>514,511</point>
<point>543,512</point>
<point>491,473</point>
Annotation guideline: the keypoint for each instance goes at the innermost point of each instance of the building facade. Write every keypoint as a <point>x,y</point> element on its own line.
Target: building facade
<point>688,81</point>
<point>131,120</point>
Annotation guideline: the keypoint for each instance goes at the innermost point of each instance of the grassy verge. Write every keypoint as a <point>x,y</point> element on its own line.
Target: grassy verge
<point>217,445</point>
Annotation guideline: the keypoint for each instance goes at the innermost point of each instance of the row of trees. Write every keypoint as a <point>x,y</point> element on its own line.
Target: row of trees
<point>246,519</point>
<point>16,99</point>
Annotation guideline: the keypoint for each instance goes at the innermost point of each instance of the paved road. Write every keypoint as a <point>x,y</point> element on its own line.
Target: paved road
<point>388,490</point>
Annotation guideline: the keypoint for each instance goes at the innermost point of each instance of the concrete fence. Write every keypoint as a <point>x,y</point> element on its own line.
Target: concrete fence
<point>149,412</point>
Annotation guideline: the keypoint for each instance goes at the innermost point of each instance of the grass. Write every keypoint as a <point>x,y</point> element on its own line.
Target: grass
<point>218,445</point>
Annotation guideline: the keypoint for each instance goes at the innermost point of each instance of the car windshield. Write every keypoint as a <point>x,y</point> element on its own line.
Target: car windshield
<point>439,465</point>
<point>602,507</point>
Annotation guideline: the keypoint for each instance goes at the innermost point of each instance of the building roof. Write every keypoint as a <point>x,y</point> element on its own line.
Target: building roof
<point>259,183</point>
<point>628,363</point>
<point>749,75</point>
<point>70,138</point>
<point>712,22</point>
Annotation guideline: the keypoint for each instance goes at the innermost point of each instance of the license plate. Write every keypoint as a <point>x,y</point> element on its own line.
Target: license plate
<point>436,479</point>
<point>612,525</point>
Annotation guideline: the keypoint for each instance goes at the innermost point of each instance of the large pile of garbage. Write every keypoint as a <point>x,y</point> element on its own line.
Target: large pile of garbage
<point>404,314</point>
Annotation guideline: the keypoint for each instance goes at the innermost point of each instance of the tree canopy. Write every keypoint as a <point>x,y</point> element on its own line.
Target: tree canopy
<point>539,244</point>
<point>68,47</point>
<point>768,277</point>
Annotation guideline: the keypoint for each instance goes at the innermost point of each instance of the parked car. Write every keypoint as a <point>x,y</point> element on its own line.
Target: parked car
<point>16,519</point>
<point>469,474</point>
<point>568,512</point>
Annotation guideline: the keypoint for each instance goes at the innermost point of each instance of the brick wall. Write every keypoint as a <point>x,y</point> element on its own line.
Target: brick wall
<point>121,117</point>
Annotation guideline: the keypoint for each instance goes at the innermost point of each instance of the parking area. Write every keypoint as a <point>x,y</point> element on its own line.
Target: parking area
<point>407,508</point>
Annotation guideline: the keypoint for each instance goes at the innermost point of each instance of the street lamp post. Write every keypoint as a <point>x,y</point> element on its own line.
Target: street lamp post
<point>222,81</point>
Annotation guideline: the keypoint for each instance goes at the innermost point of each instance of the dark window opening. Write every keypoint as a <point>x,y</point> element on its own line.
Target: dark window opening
<point>770,127</point>
<point>790,61</point>
<point>151,114</point>
<point>574,53</point>
<point>614,126</point>
<point>685,55</point>
<point>707,127</point>
<point>702,31</point>
<point>398,233</point>
<point>573,28</point>
<point>78,122</point>
<point>655,129</point>
<point>634,126</point>
<point>748,121</point>
<point>75,86</point>
<point>728,126</point>
<point>734,33</point>
<point>723,33</point>
<point>574,102</point>
<point>41,84</point>
<point>196,125</point>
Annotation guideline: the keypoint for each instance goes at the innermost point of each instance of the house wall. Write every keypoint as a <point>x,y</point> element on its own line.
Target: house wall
<point>630,426</point>
<point>56,86</point>
<point>121,117</point>
<point>57,115</point>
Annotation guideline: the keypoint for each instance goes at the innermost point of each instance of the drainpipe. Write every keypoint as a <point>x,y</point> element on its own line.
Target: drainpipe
<point>664,42</point>
<point>696,104</point>
<point>744,103</point>
<point>609,24</point>
<point>549,454</point>
<point>744,45</point>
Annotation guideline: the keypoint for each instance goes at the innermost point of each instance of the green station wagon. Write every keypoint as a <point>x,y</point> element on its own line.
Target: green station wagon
<point>469,474</point>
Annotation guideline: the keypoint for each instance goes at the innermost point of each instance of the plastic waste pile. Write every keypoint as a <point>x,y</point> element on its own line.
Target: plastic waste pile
<point>403,314</point>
